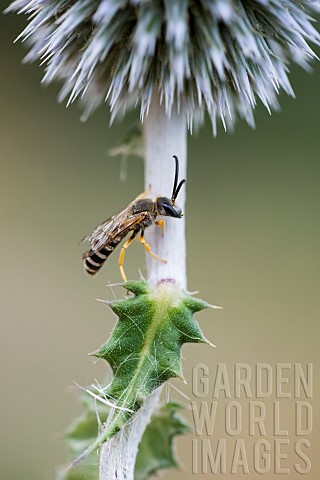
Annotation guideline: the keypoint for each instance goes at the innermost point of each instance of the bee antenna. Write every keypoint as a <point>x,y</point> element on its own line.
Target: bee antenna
<point>176,176</point>
<point>178,189</point>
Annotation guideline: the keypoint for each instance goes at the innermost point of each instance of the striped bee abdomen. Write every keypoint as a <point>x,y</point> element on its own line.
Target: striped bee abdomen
<point>93,260</point>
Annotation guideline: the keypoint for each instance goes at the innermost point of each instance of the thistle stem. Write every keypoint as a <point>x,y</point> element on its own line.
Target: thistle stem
<point>163,137</point>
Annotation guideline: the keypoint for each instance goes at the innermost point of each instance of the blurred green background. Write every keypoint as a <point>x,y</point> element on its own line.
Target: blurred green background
<point>253,237</point>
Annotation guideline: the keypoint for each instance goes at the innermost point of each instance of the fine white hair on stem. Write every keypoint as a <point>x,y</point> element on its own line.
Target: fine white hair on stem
<point>218,56</point>
<point>118,455</point>
<point>163,138</point>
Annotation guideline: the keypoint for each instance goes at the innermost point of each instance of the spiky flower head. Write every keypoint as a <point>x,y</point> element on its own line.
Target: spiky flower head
<point>217,56</point>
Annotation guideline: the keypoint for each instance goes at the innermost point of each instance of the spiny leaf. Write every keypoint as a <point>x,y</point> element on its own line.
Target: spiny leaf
<point>155,450</point>
<point>144,349</point>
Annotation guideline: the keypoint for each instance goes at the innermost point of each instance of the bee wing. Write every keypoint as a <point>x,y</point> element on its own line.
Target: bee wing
<point>103,228</point>
<point>117,226</point>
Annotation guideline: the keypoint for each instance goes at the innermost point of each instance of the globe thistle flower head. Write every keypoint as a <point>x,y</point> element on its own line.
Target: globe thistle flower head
<point>218,56</point>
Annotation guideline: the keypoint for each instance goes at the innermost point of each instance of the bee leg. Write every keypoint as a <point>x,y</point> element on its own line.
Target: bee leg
<point>122,254</point>
<point>148,248</point>
<point>161,224</point>
<point>142,195</point>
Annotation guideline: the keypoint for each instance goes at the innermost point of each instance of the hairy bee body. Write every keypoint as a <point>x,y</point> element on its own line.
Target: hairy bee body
<point>143,212</point>
<point>139,215</point>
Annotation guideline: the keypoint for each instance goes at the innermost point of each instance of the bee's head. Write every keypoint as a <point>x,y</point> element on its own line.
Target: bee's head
<point>166,206</point>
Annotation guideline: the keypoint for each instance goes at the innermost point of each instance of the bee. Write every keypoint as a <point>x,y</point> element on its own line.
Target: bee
<point>134,219</point>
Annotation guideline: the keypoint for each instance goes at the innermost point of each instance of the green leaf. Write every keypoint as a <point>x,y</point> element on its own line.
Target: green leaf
<point>80,435</point>
<point>155,450</point>
<point>131,143</point>
<point>144,349</point>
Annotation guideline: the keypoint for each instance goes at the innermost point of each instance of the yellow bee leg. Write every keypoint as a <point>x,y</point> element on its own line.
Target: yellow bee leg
<point>161,224</point>
<point>148,248</point>
<point>121,258</point>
